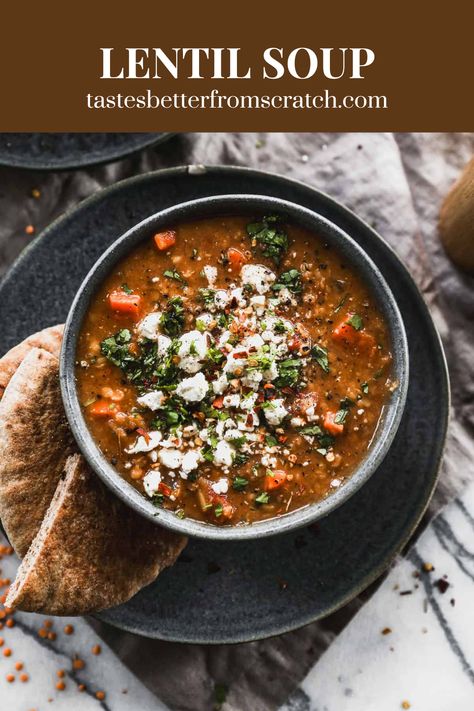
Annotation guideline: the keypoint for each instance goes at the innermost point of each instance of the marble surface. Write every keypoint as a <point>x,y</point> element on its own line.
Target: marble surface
<point>413,641</point>
<point>43,658</point>
<point>395,182</point>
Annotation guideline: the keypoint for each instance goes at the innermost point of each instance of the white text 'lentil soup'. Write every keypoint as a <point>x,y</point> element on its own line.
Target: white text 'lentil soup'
<point>234,370</point>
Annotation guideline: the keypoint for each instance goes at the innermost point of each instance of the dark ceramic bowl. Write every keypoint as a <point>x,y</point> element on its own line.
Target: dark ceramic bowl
<point>235,205</point>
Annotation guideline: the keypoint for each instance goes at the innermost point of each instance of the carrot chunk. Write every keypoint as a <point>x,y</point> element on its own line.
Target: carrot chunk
<point>125,303</point>
<point>347,334</point>
<point>236,257</point>
<point>103,408</point>
<point>330,425</point>
<point>274,480</point>
<point>165,240</point>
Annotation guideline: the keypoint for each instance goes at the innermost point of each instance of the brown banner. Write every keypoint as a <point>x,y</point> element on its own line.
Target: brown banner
<point>339,66</point>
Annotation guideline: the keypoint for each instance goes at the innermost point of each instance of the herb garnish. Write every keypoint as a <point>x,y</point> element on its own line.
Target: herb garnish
<point>342,413</point>
<point>172,320</point>
<point>324,440</point>
<point>290,280</point>
<point>126,289</point>
<point>356,322</point>
<point>340,304</point>
<point>288,373</point>
<point>207,297</point>
<point>270,237</point>
<point>262,498</point>
<point>239,483</point>
<point>174,274</point>
<point>320,355</point>
<point>271,441</point>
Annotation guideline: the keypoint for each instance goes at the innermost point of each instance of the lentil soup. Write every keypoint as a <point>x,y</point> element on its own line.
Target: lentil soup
<point>234,370</point>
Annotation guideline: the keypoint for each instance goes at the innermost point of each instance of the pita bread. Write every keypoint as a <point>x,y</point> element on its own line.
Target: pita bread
<point>49,340</point>
<point>35,441</point>
<point>91,552</point>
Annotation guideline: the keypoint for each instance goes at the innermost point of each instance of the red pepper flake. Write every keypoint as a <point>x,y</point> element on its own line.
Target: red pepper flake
<point>144,434</point>
<point>442,585</point>
<point>240,354</point>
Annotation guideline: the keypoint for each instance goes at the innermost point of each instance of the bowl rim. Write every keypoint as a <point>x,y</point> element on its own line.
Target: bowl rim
<point>200,208</point>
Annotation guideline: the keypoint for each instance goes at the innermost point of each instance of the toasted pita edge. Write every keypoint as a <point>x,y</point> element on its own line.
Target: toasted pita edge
<point>106,571</point>
<point>49,339</point>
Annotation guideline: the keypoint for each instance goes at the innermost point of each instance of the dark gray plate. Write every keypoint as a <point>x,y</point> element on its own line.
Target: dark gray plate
<point>62,151</point>
<point>240,591</point>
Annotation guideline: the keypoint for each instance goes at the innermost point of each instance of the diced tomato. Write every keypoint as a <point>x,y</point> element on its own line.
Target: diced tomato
<point>125,303</point>
<point>164,489</point>
<point>236,257</point>
<point>165,240</point>
<point>218,402</point>
<point>103,408</point>
<point>330,426</point>
<point>274,480</point>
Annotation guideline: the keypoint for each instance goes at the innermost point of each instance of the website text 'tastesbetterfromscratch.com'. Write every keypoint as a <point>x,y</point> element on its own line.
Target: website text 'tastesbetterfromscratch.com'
<point>217,101</point>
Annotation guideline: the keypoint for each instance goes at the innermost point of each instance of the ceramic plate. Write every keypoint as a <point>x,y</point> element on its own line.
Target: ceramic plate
<point>245,590</point>
<point>61,151</point>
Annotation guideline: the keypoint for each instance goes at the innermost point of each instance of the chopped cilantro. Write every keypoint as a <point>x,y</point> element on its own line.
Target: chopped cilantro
<point>172,320</point>
<point>262,498</point>
<point>271,441</point>
<point>342,413</point>
<point>214,355</point>
<point>241,458</point>
<point>278,327</point>
<point>192,348</point>
<point>270,237</point>
<point>320,355</point>
<point>239,483</point>
<point>115,348</point>
<point>290,280</point>
<point>356,322</point>
<point>126,289</point>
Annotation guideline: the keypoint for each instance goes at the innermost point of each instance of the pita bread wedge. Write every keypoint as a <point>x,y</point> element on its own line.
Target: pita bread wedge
<point>35,442</point>
<point>49,339</point>
<point>91,552</point>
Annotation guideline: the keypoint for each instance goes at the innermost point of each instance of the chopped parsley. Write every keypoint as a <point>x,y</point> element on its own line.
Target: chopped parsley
<point>278,327</point>
<point>320,355</point>
<point>214,355</point>
<point>172,320</point>
<point>270,237</point>
<point>324,440</point>
<point>241,458</point>
<point>271,441</point>
<point>290,280</point>
<point>262,498</point>
<point>342,413</point>
<point>116,348</point>
<point>174,274</point>
<point>356,322</point>
<point>239,483</point>
<point>289,371</point>
<point>126,289</point>
<point>207,297</point>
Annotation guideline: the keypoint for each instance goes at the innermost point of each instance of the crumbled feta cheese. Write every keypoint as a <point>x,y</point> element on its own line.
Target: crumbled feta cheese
<point>258,300</point>
<point>221,486</point>
<point>205,319</point>
<point>192,351</point>
<point>232,434</point>
<point>171,458</point>
<point>276,412</point>
<point>191,460</point>
<point>150,325</point>
<point>145,444</point>
<point>221,299</point>
<point>335,483</point>
<point>163,344</point>
<point>252,379</point>
<point>153,400</point>
<point>193,389</point>
<point>151,481</point>
<point>254,341</point>
<point>231,400</point>
<point>239,296</point>
<point>247,402</point>
<point>261,278</point>
<point>297,422</point>
<point>219,385</point>
<point>223,454</point>
<point>268,461</point>
<point>272,372</point>
<point>248,422</point>
<point>210,273</point>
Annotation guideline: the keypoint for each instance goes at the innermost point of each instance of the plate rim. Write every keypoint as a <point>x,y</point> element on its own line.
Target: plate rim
<point>153,139</point>
<point>444,384</point>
